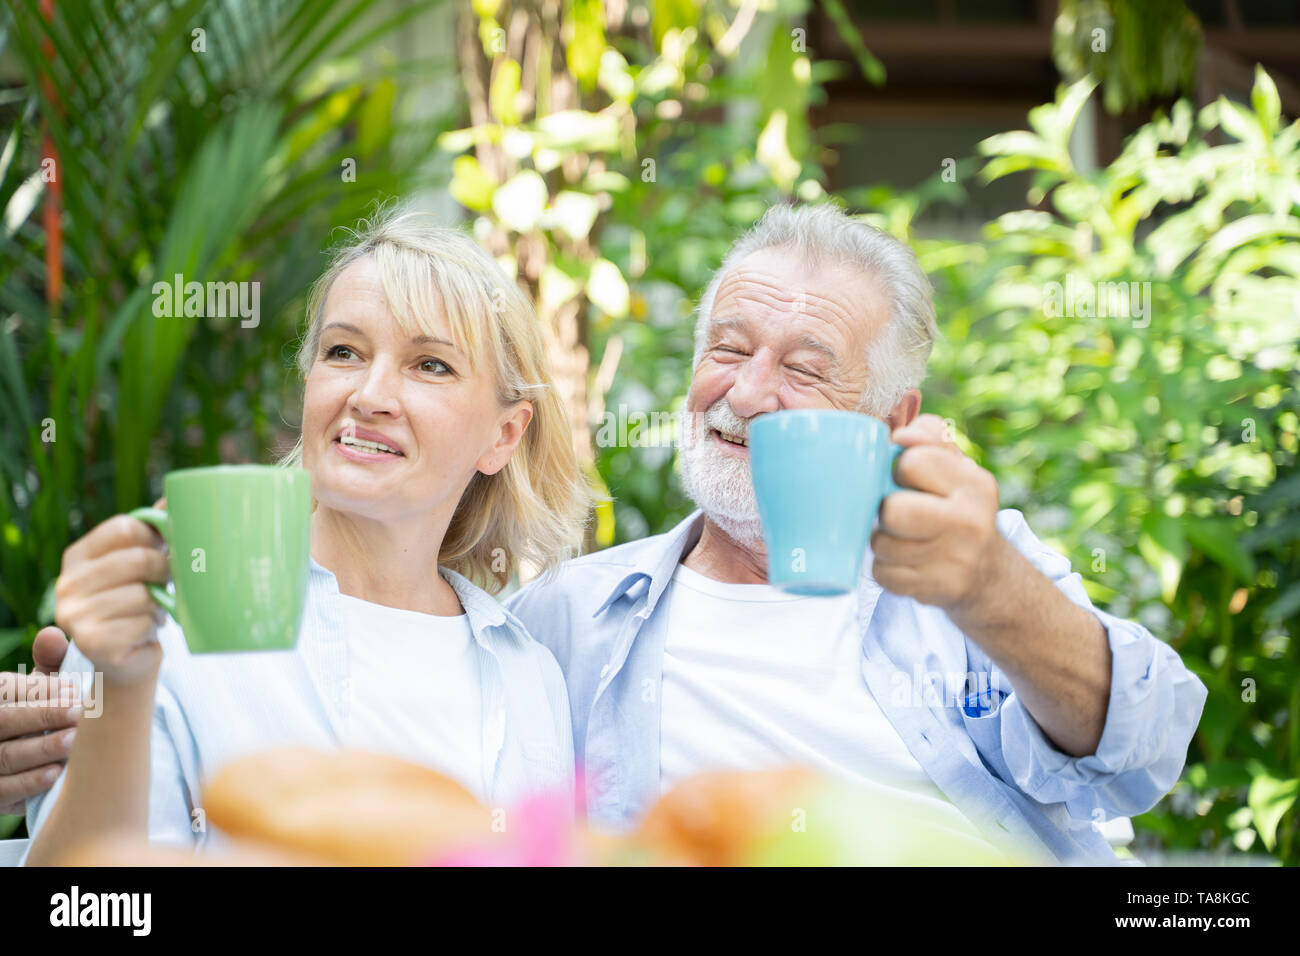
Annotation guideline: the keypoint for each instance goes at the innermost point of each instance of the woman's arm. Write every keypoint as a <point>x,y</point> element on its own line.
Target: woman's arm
<point>101,601</point>
<point>106,785</point>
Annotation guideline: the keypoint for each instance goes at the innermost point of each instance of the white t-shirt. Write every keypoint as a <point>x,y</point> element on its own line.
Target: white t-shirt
<point>414,689</point>
<point>756,678</point>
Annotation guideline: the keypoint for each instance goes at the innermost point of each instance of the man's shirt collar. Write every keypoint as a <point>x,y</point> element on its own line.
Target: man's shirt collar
<point>656,561</point>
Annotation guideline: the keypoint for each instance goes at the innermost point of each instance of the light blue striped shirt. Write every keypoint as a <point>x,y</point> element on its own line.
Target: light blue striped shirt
<point>211,708</point>
<point>954,709</point>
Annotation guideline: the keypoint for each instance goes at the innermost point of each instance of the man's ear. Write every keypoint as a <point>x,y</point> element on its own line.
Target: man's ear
<point>510,431</point>
<point>905,409</point>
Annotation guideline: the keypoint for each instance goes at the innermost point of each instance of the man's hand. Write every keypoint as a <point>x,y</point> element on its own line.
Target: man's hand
<point>937,541</point>
<point>35,714</point>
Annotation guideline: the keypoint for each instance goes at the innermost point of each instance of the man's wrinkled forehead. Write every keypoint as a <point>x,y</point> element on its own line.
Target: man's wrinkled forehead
<point>777,285</point>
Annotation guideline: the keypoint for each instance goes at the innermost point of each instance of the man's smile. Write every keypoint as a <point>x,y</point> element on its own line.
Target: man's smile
<point>732,444</point>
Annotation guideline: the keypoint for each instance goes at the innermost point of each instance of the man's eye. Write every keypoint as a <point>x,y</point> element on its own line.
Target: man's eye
<point>435,367</point>
<point>728,349</point>
<point>339,352</point>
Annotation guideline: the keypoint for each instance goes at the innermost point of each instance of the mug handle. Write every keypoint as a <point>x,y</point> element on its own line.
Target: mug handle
<point>891,485</point>
<point>157,519</point>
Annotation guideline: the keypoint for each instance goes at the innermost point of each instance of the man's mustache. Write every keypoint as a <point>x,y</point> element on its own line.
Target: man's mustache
<point>719,417</point>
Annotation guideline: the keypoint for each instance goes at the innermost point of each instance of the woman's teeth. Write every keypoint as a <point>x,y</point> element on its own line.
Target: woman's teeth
<point>367,445</point>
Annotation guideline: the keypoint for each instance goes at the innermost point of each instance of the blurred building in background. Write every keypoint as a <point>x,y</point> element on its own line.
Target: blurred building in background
<point>962,70</point>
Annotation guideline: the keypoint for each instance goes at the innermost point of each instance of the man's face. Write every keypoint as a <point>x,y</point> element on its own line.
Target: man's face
<point>782,335</point>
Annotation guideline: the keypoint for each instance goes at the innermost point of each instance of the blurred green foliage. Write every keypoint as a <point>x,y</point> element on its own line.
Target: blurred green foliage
<point>225,147</point>
<point>1153,439</point>
<point>1140,50</point>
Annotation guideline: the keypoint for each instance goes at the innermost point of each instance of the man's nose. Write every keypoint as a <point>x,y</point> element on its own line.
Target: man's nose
<point>377,392</point>
<point>757,388</point>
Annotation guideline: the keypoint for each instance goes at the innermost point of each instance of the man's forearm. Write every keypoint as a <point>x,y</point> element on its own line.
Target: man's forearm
<point>1055,652</point>
<point>106,785</point>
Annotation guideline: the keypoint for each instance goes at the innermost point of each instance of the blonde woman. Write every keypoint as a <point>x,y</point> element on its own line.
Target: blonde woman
<point>439,454</point>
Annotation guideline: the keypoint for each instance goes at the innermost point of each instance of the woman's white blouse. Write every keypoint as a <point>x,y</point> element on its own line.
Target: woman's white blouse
<point>436,721</point>
<point>211,708</point>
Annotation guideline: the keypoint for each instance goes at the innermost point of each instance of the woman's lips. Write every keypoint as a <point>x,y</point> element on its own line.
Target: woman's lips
<point>353,453</point>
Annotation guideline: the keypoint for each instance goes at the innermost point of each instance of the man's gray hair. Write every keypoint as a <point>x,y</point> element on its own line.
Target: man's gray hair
<point>825,235</point>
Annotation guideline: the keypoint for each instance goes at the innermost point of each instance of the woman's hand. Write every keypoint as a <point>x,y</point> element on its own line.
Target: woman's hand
<point>102,603</point>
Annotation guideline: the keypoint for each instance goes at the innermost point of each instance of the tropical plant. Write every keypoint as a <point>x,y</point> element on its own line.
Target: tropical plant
<point>1123,356</point>
<point>218,140</point>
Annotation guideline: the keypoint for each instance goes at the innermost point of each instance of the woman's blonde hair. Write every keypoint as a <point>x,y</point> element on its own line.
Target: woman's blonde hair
<point>534,510</point>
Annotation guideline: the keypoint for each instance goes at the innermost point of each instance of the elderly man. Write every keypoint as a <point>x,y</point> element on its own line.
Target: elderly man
<point>680,658</point>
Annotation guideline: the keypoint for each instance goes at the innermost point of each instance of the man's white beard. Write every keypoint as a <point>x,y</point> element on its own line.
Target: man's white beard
<point>720,484</point>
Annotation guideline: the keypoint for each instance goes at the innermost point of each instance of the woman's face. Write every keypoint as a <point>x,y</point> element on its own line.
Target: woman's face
<point>395,424</point>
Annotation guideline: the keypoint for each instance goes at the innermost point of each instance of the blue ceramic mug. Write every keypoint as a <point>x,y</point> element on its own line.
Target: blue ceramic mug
<point>819,478</point>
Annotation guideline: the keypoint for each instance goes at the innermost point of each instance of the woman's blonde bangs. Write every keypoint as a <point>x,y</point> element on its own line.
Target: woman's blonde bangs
<point>534,511</point>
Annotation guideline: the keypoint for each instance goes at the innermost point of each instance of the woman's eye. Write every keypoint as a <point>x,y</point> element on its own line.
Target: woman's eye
<point>339,352</point>
<point>435,366</point>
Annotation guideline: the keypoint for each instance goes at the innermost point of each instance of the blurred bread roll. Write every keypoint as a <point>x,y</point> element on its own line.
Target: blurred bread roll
<point>347,806</point>
<point>716,818</point>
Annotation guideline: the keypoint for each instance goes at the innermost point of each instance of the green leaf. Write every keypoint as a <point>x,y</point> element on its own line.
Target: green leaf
<point>505,90</point>
<point>578,131</point>
<point>1223,714</point>
<point>1240,123</point>
<point>775,154</point>
<point>871,68</point>
<point>607,289</point>
<point>45,610</point>
<point>1269,800</point>
<point>10,638</point>
<point>583,51</point>
<point>470,185</point>
<point>1163,546</point>
<point>573,214</point>
<point>668,15</point>
<point>1268,105</point>
<point>1220,538</point>
<point>520,202</point>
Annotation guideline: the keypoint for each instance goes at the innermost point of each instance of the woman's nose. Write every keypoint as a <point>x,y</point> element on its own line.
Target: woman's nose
<point>377,392</point>
<point>757,388</point>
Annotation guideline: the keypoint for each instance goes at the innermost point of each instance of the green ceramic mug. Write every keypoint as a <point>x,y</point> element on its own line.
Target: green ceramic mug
<point>239,540</point>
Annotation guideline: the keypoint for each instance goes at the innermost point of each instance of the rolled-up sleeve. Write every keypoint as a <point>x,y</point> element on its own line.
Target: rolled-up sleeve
<point>1154,706</point>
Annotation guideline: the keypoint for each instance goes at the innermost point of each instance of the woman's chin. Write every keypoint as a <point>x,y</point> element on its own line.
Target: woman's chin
<point>358,499</point>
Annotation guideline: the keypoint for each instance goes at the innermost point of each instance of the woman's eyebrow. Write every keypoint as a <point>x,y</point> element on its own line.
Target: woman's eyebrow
<point>415,340</point>
<point>433,340</point>
<point>345,326</point>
